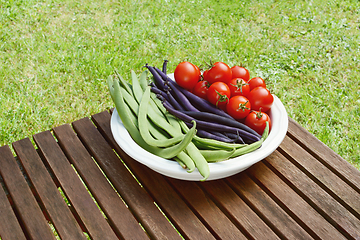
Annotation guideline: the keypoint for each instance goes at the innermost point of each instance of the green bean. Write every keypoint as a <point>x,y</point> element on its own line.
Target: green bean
<point>180,162</point>
<point>266,131</point>
<point>136,88</point>
<point>144,125</point>
<point>143,80</point>
<point>162,122</point>
<point>217,155</point>
<point>138,94</point>
<point>156,108</point>
<point>153,112</point>
<point>110,81</point>
<point>157,132</point>
<point>211,143</point>
<point>186,160</point>
<point>253,146</point>
<point>199,160</point>
<point>124,112</point>
<point>193,152</point>
<point>123,83</point>
<point>171,118</point>
<point>134,106</point>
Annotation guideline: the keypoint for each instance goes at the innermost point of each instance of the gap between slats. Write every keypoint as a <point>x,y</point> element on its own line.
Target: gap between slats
<point>106,137</point>
<point>318,182</point>
<point>90,192</point>
<point>36,196</point>
<point>342,227</point>
<point>213,232</point>
<point>11,202</point>
<point>325,163</point>
<point>308,200</point>
<point>257,211</point>
<point>241,228</point>
<point>63,194</point>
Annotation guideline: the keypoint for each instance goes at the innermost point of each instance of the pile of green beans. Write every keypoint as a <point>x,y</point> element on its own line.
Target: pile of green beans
<point>160,133</point>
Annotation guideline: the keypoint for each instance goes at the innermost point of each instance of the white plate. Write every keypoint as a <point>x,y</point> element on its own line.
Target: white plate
<point>279,121</point>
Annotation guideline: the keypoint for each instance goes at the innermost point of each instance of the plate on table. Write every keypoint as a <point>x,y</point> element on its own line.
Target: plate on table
<point>170,168</point>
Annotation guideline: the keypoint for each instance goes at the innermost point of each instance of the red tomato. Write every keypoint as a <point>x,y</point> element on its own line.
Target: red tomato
<point>238,107</point>
<point>240,72</point>
<point>239,87</point>
<point>219,94</point>
<point>205,73</point>
<point>257,121</point>
<point>187,75</point>
<point>256,82</point>
<point>260,98</point>
<point>201,89</point>
<point>219,72</point>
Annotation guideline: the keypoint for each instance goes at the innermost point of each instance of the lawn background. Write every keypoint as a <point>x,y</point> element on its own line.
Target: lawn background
<point>55,57</point>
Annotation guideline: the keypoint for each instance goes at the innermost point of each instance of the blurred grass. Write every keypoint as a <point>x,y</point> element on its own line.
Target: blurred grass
<point>55,57</point>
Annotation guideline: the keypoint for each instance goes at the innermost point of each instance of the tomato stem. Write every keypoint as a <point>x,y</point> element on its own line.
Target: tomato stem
<point>222,98</point>
<point>209,65</point>
<point>243,107</point>
<point>239,84</point>
<point>259,114</point>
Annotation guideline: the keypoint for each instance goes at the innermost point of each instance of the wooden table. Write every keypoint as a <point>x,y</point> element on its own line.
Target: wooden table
<point>76,183</point>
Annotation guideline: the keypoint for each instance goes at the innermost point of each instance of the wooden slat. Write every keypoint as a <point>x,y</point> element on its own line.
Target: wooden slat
<point>61,217</point>
<point>9,227</point>
<point>171,203</point>
<point>80,199</point>
<point>165,196</point>
<point>276,217</point>
<point>320,173</point>
<point>32,218</point>
<point>323,153</point>
<point>218,223</point>
<point>112,205</point>
<point>239,211</point>
<point>142,206</point>
<point>295,206</point>
<point>323,202</point>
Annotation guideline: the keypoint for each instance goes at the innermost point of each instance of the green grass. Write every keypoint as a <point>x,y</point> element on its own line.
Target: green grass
<point>55,57</point>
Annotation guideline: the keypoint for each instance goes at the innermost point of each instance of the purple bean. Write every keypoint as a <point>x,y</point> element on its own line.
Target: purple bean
<point>201,103</point>
<point>173,102</point>
<point>157,91</point>
<point>211,117</point>
<point>210,126</point>
<point>181,98</point>
<point>164,66</point>
<point>206,134</point>
<point>159,82</point>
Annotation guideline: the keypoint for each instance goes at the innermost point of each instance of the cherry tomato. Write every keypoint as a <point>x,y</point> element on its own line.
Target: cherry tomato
<point>239,87</point>
<point>205,73</point>
<point>201,89</point>
<point>256,82</point>
<point>260,98</point>
<point>256,120</point>
<point>240,72</point>
<point>219,94</point>
<point>187,75</point>
<point>238,107</point>
<point>219,72</point>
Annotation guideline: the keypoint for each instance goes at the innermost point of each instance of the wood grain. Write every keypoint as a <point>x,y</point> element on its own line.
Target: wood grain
<point>74,189</point>
<point>31,217</point>
<point>61,217</point>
